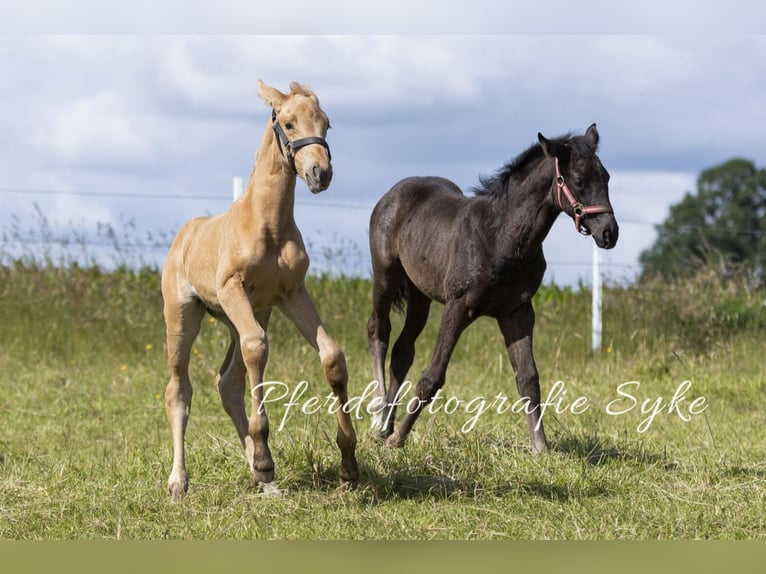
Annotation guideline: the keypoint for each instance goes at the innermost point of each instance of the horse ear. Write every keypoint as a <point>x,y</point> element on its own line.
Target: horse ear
<point>551,148</point>
<point>545,143</point>
<point>591,136</point>
<point>271,96</point>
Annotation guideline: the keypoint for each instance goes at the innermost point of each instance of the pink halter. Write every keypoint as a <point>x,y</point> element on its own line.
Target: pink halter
<point>578,209</point>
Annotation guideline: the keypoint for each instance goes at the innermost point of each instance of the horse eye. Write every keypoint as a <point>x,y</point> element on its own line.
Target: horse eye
<point>289,126</point>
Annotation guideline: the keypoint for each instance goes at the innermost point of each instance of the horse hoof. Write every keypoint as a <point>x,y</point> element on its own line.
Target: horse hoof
<point>263,476</point>
<point>177,491</point>
<point>349,473</point>
<point>394,441</point>
<point>347,486</point>
<point>380,434</point>
<point>270,490</point>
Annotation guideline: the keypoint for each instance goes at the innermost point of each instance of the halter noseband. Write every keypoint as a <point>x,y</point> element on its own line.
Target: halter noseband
<point>578,209</point>
<point>288,147</point>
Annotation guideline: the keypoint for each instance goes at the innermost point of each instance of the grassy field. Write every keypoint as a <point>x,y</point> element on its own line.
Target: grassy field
<point>85,447</point>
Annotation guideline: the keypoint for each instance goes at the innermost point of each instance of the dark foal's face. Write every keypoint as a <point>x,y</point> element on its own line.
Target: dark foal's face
<point>589,181</point>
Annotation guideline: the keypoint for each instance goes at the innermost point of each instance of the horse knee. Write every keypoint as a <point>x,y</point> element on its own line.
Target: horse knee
<point>334,364</point>
<point>255,349</point>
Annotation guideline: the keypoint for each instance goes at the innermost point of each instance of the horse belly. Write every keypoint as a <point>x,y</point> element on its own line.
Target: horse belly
<point>424,248</point>
<point>425,267</point>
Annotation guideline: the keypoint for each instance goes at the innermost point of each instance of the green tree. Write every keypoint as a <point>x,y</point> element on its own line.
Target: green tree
<point>724,222</point>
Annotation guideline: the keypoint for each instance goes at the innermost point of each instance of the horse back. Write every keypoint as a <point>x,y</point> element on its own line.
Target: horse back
<point>444,241</point>
<point>422,198</point>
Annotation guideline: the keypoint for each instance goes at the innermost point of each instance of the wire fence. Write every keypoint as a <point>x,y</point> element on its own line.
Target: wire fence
<point>42,241</point>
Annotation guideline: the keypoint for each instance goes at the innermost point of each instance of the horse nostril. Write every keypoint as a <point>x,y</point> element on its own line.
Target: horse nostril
<point>326,177</point>
<point>318,176</point>
<point>609,236</point>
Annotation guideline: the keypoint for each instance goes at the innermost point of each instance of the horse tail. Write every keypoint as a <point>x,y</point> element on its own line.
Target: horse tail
<point>400,299</point>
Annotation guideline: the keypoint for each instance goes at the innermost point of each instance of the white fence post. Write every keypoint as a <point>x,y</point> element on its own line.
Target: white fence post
<point>238,187</point>
<point>596,304</point>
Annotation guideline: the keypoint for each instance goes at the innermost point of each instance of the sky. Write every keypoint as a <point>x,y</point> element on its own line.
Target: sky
<point>147,117</point>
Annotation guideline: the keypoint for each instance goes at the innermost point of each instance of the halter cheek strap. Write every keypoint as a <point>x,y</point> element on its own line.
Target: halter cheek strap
<point>288,147</point>
<point>578,209</point>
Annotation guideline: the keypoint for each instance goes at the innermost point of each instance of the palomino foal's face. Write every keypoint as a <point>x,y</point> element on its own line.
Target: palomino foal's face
<point>299,116</point>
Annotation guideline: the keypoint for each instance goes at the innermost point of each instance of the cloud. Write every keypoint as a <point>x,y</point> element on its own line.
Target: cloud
<point>94,130</point>
<point>212,78</point>
<point>180,114</point>
<point>401,72</point>
<point>392,16</point>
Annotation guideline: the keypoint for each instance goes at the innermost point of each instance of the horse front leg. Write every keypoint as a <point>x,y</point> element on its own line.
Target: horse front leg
<point>301,311</point>
<point>517,333</point>
<point>454,321</point>
<point>230,382</point>
<point>182,320</point>
<point>254,349</point>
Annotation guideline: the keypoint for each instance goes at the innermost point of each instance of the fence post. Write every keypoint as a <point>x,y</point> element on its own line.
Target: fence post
<point>238,187</point>
<point>596,303</point>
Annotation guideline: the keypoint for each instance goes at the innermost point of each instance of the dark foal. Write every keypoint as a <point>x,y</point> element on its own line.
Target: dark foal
<point>479,255</point>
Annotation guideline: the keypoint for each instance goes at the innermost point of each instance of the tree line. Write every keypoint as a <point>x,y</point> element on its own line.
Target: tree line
<point>721,224</point>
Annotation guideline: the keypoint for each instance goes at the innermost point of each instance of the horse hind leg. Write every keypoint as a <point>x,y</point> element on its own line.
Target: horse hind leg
<point>403,352</point>
<point>387,282</point>
<point>182,326</point>
<point>230,385</point>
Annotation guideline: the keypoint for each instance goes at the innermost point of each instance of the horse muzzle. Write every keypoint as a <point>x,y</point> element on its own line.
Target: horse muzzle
<point>604,229</point>
<point>317,177</point>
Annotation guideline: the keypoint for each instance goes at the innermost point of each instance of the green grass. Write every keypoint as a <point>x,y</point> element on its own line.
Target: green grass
<point>85,447</point>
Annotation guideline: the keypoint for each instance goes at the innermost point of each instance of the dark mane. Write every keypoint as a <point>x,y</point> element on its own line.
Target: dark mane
<point>502,182</point>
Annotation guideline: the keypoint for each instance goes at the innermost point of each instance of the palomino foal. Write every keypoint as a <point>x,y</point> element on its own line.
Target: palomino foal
<point>237,266</point>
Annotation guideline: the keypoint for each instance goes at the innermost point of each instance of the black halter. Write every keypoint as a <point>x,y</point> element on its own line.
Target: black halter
<point>288,148</point>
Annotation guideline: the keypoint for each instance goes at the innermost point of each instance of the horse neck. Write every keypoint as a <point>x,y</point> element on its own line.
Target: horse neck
<point>270,192</point>
<point>528,213</point>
